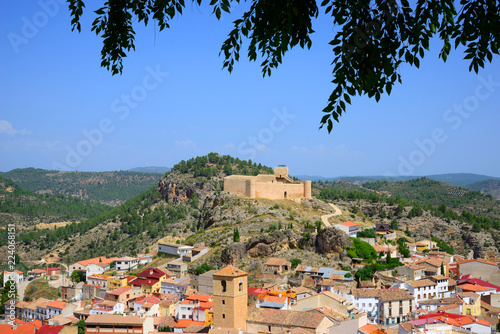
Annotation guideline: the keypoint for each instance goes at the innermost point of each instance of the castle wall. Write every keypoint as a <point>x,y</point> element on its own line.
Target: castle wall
<point>267,186</point>
<point>277,190</point>
<point>236,184</point>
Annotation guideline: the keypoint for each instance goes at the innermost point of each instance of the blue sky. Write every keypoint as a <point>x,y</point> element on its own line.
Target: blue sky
<point>60,110</point>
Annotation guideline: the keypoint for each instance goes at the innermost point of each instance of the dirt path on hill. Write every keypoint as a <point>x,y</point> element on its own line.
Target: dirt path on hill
<point>325,218</point>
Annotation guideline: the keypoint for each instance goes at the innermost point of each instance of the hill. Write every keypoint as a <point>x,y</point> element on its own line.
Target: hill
<point>491,187</point>
<point>151,169</point>
<point>29,211</point>
<point>111,188</point>
<point>188,205</point>
<point>460,179</point>
<point>435,193</point>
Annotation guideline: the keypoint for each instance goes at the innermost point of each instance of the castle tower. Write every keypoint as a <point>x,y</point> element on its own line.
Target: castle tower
<point>230,298</point>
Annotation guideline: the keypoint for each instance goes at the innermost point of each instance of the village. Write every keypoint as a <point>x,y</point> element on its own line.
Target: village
<point>429,291</point>
<point>433,292</point>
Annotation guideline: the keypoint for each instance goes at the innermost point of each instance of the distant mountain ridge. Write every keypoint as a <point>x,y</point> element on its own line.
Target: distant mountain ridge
<point>111,188</point>
<point>150,169</point>
<point>484,183</point>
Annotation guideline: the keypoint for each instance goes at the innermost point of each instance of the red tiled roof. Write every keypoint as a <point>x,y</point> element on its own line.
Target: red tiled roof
<point>230,271</point>
<point>141,281</point>
<point>21,329</point>
<point>274,261</point>
<point>57,304</point>
<point>151,273</point>
<point>481,282</point>
<point>477,260</point>
<point>276,299</point>
<point>473,287</point>
<point>350,224</point>
<point>201,298</point>
<point>121,290</point>
<point>96,260</point>
<point>50,329</point>
<point>368,329</point>
<point>183,323</point>
<point>255,291</point>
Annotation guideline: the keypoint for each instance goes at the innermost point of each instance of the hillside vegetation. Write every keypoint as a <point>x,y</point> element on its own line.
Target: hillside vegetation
<point>26,209</point>
<point>491,187</point>
<point>140,222</point>
<point>188,205</point>
<point>110,188</point>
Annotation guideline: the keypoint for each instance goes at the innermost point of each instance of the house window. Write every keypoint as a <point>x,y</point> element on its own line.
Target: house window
<point>240,286</point>
<point>223,283</point>
<point>269,327</point>
<point>223,302</point>
<point>223,316</point>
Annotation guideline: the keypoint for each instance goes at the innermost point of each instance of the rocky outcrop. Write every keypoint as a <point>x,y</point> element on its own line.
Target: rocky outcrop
<point>272,243</point>
<point>233,253</point>
<point>332,241</point>
<point>177,191</point>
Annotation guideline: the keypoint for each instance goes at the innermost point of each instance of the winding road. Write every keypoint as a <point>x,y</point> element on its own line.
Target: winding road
<point>325,218</point>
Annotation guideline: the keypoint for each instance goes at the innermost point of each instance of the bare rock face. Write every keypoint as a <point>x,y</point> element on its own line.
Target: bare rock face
<point>332,241</point>
<point>177,191</point>
<point>271,243</point>
<point>233,253</point>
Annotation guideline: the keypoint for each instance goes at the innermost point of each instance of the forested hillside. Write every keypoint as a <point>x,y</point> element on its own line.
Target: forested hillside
<point>142,220</point>
<point>26,209</point>
<point>491,187</point>
<point>111,188</point>
<point>430,192</point>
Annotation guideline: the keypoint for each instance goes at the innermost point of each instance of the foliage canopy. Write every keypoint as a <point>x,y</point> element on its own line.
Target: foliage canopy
<point>371,39</point>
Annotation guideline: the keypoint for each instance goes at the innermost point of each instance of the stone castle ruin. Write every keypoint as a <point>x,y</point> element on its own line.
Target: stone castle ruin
<point>277,186</point>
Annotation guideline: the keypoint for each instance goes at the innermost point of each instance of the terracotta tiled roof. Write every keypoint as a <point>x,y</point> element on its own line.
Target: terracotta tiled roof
<point>367,284</point>
<point>274,261</point>
<point>473,287</point>
<point>50,329</point>
<point>301,267</point>
<point>255,291</point>
<point>369,329</point>
<point>230,271</point>
<point>183,323</point>
<point>276,299</point>
<point>477,260</point>
<point>33,305</point>
<point>96,260</point>
<point>21,329</point>
<point>96,319</point>
<point>350,224</point>
<point>121,290</point>
<point>201,298</point>
<point>285,318</point>
<point>421,283</point>
<point>57,304</point>
<point>385,295</point>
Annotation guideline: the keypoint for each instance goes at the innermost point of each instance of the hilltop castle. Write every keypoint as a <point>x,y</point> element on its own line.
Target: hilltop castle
<point>277,186</point>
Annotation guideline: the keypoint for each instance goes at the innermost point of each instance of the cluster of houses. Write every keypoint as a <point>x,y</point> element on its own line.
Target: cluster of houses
<point>432,292</point>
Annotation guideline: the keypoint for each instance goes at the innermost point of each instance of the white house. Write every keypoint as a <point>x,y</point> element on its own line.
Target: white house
<point>16,276</point>
<point>108,307</point>
<point>174,249</point>
<point>349,228</point>
<point>422,289</point>
<point>442,286</point>
<point>57,307</point>
<point>99,280</point>
<point>96,269</point>
<point>126,263</point>
<point>367,301</point>
<point>147,306</point>
<point>175,286</point>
